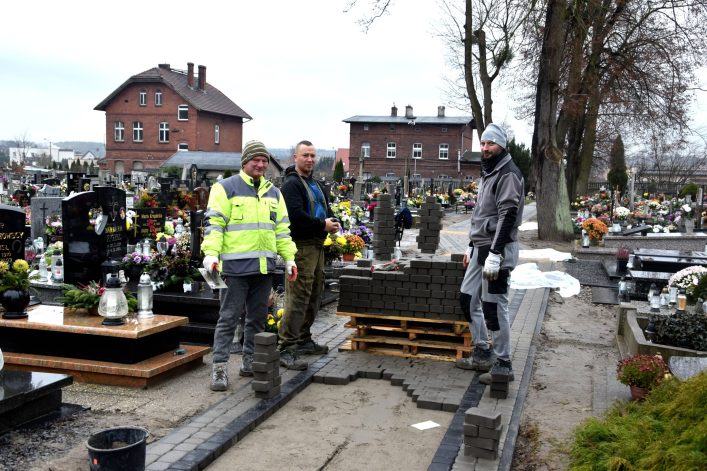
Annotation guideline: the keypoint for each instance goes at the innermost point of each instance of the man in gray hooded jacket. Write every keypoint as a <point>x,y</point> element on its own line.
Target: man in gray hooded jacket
<point>492,255</point>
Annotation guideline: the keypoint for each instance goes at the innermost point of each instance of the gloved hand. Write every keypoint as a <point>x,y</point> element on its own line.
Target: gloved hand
<point>291,270</point>
<point>467,256</point>
<point>209,262</point>
<point>492,266</point>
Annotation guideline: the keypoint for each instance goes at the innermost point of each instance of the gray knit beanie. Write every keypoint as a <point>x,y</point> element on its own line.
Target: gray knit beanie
<point>494,133</point>
<point>253,149</point>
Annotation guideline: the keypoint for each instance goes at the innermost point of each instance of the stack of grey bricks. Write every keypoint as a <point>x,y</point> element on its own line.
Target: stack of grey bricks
<point>384,228</point>
<point>426,288</point>
<point>266,366</point>
<point>430,223</point>
<point>482,432</point>
<point>500,379</point>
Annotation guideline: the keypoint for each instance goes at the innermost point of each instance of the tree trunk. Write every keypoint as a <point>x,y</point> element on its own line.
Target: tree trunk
<point>554,222</point>
<point>476,111</point>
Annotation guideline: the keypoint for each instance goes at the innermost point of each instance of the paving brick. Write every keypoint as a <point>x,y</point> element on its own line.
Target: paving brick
<point>265,338</point>
<point>264,367</point>
<point>471,430</point>
<point>265,357</point>
<point>268,394</point>
<point>485,443</point>
<point>480,452</point>
<point>482,417</point>
<point>493,433</point>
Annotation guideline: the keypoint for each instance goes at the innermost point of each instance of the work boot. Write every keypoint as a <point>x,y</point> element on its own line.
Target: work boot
<point>501,372</point>
<point>310,347</point>
<point>247,365</point>
<point>289,360</point>
<point>481,360</point>
<point>219,378</point>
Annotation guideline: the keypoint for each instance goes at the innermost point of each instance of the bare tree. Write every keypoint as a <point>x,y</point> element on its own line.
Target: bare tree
<point>668,159</point>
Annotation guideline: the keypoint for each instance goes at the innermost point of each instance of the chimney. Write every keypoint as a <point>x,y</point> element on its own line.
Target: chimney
<point>394,110</point>
<point>163,66</point>
<point>440,111</point>
<point>202,77</point>
<point>408,112</point>
<point>190,74</point>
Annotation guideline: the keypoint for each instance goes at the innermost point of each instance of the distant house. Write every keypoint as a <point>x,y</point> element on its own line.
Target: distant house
<point>161,111</point>
<point>211,164</point>
<point>422,147</point>
<point>343,155</point>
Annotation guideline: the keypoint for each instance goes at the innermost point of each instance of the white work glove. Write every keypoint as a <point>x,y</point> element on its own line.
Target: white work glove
<point>492,266</point>
<point>209,262</point>
<point>467,256</point>
<point>290,267</point>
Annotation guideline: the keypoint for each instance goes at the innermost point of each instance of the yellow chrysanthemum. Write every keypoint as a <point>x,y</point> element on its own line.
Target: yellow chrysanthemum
<point>20,266</point>
<point>4,267</point>
<point>278,324</point>
<point>341,240</point>
<point>280,312</point>
<point>271,321</point>
<point>327,242</point>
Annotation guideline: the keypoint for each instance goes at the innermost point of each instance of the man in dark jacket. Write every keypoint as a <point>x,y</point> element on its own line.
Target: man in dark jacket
<point>310,221</point>
<point>492,255</point>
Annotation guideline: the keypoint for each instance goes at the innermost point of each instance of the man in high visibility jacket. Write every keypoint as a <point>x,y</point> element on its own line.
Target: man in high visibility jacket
<point>247,226</point>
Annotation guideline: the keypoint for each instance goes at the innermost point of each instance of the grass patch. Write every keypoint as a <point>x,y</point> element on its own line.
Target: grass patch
<point>666,432</point>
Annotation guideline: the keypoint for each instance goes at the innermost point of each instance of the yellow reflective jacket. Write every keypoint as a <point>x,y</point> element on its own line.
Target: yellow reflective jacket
<point>247,229</point>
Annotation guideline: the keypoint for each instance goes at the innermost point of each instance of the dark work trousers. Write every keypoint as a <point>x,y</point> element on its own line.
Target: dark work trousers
<point>303,296</point>
<point>246,295</point>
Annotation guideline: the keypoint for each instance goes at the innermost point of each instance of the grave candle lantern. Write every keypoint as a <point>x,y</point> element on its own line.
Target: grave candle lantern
<point>113,305</point>
<point>144,297</point>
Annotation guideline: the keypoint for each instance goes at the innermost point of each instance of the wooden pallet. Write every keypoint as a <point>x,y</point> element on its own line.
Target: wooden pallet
<point>408,336</point>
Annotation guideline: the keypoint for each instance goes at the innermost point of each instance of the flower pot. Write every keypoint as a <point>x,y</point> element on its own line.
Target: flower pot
<point>596,242</point>
<point>15,302</point>
<point>347,257</point>
<point>639,394</point>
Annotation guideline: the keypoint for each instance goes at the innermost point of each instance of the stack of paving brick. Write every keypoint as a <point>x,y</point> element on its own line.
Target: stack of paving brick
<point>500,380</point>
<point>266,366</point>
<point>384,228</point>
<point>430,223</point>
<point>482,432</point>
<point>427,288</point>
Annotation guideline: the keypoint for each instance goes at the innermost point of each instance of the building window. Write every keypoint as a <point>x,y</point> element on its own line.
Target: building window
<point>390,174</point>
<point>366,150</point>
<point>164,131</point>
<point>143,97</point>
<point>444,129</point>
<point>137,165</point>
<point>119,131</point>
<point>183,113</point>
<point>416,176</point>
<point>392,127</point>
<point>158,97</point>
<point>119,167</point>
<point>391,150</point>
<point>183,146</point>
<point>365,127</point>
<point>217,134</point>
<point>417,150</point>
<point>137,131</point>
<point>444,151</point>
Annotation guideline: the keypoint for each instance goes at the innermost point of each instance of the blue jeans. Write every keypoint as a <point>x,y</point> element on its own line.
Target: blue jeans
<point>246,295</point>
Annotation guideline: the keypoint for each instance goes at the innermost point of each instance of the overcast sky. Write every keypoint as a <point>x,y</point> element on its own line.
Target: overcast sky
<point>297,67</point>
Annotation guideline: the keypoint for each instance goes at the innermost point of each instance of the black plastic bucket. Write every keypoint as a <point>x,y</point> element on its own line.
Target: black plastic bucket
<point>118,449</point>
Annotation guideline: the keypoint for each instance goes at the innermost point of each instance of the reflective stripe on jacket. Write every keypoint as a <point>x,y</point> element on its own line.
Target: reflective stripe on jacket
<point>247,229</point>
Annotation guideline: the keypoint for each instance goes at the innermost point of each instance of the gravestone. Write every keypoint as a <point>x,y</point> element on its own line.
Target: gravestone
<point>73,182</point>
<point>202,197</point>
<point>41,209</point>
<point>197,233</point>
<point>164,196</point>
<point>23,198</point>
<point>94,231</point>
<point>48,190</point>
<point>13,233</point>
<point>145,221</point>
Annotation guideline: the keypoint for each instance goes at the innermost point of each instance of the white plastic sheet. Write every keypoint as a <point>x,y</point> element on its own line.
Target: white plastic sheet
<point>528,276</point>
<point>543,254</point>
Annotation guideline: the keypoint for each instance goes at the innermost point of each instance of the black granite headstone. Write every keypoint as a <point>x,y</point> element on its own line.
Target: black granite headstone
<point>13,233</point>
<point>202,197</point>
<point>94,230</point>
<point>197,233</point>
<point>73,182</point>
<point>145,221</point>
<point>637,230</point>
<point>164,196</point>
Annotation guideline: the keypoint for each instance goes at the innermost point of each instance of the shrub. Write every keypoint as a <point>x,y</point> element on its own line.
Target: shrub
<point>687,330</point>
<point>642,371</point>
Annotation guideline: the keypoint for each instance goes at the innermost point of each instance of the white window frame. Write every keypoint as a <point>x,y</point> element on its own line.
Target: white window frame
<point>185,109</point>
<point>390,174</point>
<point>444,152</point>
<point>366,150</point>
<point>417,150</point>
<point>164,132</point>
<point>138,131</point>
<point>183,147</point>
<point>365,127</point>
<point>142,97</point>
<point>119,131</point>
<point>158,97</point>
<point>390,150</point>
<point>217,134</point>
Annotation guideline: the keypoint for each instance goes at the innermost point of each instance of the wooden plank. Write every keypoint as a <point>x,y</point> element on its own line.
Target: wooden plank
<point>410,343</point>
<point>411,331</point>
<point>347,346</point>
<point>402,318</point>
